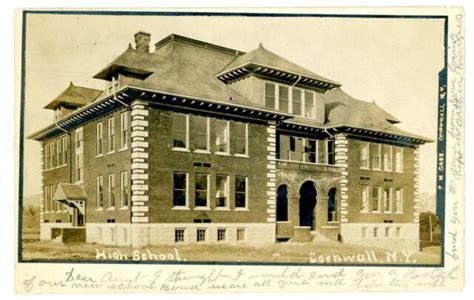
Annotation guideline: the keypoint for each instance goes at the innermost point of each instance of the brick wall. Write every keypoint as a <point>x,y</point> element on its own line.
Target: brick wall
<point>404,180</point>
<point>108,163</point>
<point>54,177</point>
<point>163,161</point>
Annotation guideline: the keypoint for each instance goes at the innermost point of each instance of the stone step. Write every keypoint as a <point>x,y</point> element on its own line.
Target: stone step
<point>318,236</point>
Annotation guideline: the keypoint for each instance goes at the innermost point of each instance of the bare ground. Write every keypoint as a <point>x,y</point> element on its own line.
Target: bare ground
<point>316,252</point>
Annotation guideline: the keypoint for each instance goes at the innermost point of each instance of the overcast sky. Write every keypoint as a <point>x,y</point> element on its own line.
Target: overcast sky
<point>392,61</point>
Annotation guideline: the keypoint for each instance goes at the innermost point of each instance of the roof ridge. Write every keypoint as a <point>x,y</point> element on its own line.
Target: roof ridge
<point>197,43</point>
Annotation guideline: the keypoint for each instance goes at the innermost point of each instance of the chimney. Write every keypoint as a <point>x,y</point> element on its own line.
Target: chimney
<point>142,41</point>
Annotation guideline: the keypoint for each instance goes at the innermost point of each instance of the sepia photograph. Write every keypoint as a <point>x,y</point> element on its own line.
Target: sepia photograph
<point>235,138</point>
<point>170,141</point>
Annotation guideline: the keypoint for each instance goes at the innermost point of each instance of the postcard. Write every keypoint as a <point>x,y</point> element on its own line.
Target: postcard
<point>238,150</point>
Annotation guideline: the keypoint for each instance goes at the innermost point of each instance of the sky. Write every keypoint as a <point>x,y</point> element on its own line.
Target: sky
<point>394,62</point>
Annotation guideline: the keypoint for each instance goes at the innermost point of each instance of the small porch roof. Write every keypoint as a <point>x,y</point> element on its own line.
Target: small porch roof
<point>69,191</point>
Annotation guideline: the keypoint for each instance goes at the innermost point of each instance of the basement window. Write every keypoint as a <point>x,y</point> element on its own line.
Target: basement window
<point>240,234</point>
<point>179,235</point>
<point>221,232</point>
<point>201,235</point>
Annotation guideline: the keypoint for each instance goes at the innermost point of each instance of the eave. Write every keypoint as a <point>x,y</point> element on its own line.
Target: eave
<point>237,73</point>
<point>128,93</point>
<point>370,134</point>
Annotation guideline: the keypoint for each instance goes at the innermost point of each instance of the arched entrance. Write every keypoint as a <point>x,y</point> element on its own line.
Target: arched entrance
<point>307,204</point>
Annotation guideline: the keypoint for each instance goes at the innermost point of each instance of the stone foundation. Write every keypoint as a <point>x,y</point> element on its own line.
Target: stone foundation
<point>393,236</point>
<point>139,235</point>
<point>47,228</point>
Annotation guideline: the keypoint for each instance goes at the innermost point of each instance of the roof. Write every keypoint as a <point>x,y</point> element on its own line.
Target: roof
<point>341,108</point>
<point>70,191</point>
<point>184,69</point>
<point>74,95</point>
<point>181,69</point>
<point>131,61</point>
<point>265,58</point>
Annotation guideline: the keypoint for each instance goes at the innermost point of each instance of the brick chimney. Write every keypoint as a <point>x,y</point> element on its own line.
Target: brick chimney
<point>142,41</point>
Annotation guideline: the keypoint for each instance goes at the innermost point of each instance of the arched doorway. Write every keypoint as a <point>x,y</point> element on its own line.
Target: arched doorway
<point>282,203</point>
<point>332,206</point>
<point>307,204</point>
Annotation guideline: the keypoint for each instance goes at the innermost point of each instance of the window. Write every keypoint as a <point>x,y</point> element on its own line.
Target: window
<point>113,85</point>
<point>270,95</point>
<point>46,198</point>
<point>65,150</point>
<point>375,198</point>
<point>123,130</point>
<point>364,198</point>
<point>364,155</point>
<point>330,158</point>
<point>100,140</point>
<point>375,156</point>
<point>283,98</point>
<point>180,131</point>
<point>283,147</point>
<point>310,152</point>
<point>59,153</point>
<point>47,160</point>
<point>309,104</point>
<point>398,159</point>
<point>221,234</point>
<point>201,184</point>
<point>222,188</point>
<point>387,157</point>
<point>296,148</point>
<point>240,192</point>
<point>240,234</point>
<point>111,190</point>
<point>222,136</point>
<point>79,154</point>
<point>332,205</point>
<point>179,235</point>
<point>100,192</point>
<point>363,232</point>
<point>297,102</point>
<point>376,231</point>
<point>124,189</point>
<point>52,149</point>
<point>180,189</point>
<point>387,231</point>
<point>387,196</point>
<point>282,203</point>
<point>241,137</point>
<point>79,138</point>
<point>110,135</point>
<point>79,167</point>
<point>201,235</point>
<point>54,204</point>
<point>399,200</point>
<point>398,231</point>
<point>200,133</point>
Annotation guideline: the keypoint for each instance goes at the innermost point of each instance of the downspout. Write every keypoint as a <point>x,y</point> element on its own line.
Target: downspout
<point>327,132</point>
<point>299,78</point>
<point>115,98</point>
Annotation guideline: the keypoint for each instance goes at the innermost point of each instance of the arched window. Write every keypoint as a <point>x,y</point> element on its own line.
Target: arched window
<point>282,203</point>
<point>332,216</point>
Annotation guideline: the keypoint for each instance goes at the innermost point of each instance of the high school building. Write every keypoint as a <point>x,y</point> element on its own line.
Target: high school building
<point>198,143</point>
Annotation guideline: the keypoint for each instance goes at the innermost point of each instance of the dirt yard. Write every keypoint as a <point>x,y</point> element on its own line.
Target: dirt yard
<point>314,252</point>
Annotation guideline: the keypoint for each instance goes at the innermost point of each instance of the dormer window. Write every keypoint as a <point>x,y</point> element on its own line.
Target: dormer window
<point>114,84</point>
<point>289,99</point>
